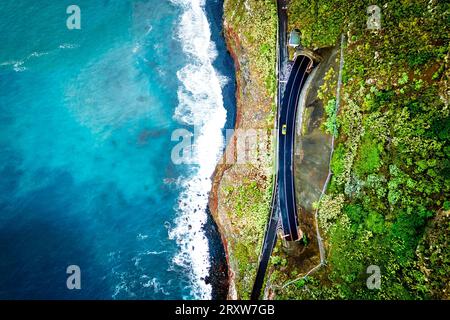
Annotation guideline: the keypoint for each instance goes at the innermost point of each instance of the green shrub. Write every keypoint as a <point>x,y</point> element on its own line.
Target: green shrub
<point>337,161</point>
<point>369,159</point>
<point>331,125</point>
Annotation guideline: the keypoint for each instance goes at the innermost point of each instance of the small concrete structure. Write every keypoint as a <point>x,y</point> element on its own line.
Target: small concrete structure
<point>294,38</point>
<point>309,53</point>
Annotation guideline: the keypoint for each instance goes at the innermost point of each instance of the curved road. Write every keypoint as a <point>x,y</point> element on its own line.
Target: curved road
<point>283,207</point>
<point>287,119</point>
<point>270,235</point>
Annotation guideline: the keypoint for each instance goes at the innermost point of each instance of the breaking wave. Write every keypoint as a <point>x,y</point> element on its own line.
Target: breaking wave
<point>200,104</point>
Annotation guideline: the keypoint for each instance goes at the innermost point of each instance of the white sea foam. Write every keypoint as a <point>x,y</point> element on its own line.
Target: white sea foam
<point>136,48</point>
<point>141,236</point>
<point>68,46</point>
<point>150,28</point>
<point>156,285</point>
<point>19,65</point>
<point>200,105</point>
<point>155,252</point>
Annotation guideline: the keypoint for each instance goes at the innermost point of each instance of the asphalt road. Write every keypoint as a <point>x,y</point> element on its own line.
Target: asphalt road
<point>270,235</point>
<point>282,47</point>
<point>283,206</point>
<point>287,119</point>
<point>270,239</point>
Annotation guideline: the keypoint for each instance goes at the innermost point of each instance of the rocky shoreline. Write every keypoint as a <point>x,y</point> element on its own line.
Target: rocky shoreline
<point>220,220</point>
<point>254,106</point>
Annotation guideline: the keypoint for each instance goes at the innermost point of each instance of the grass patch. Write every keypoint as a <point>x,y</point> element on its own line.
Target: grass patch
<point>369,159</point>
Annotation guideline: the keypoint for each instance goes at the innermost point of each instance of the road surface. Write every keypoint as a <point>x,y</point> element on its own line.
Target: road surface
<point>270,236</point>
<point>283,209</point>
<point>287,118</point>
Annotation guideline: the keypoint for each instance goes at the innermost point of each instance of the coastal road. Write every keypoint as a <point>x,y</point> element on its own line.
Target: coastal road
<point>270,239</point>
<point>283,206</point>
<point>286,137</point>
<point>283,210</point>
<point>282,51</point>
<point>270,235</point>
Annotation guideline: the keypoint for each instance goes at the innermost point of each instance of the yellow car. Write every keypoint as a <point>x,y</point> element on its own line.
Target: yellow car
<point>283,129</point>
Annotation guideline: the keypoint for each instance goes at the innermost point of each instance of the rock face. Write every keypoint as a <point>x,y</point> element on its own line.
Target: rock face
<point>253,111</point>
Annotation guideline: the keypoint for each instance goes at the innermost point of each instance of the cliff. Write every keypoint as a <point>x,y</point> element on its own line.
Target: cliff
<point>388,197</point>
<point>241,189</point>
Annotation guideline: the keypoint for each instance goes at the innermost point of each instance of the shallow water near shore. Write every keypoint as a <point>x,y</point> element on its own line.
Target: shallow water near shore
<point>86,118</point>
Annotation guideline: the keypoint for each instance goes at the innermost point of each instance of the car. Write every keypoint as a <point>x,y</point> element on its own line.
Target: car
<point>283,129</point>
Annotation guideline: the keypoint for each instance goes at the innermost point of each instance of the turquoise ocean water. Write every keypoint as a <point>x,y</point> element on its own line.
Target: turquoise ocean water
<point>86,119</point>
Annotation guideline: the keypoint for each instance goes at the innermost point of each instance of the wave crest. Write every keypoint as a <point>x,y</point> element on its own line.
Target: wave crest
<point>200,105</point>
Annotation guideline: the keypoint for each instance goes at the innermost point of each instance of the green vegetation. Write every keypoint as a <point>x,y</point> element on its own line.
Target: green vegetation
<point>327,94</point>
<point>322,22</point>
<point>246,190</point>
<point>256,22</point>
<point>388,201</point>
<point>249,207</point>
<point>368,159</point>
<point>331,125</point>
